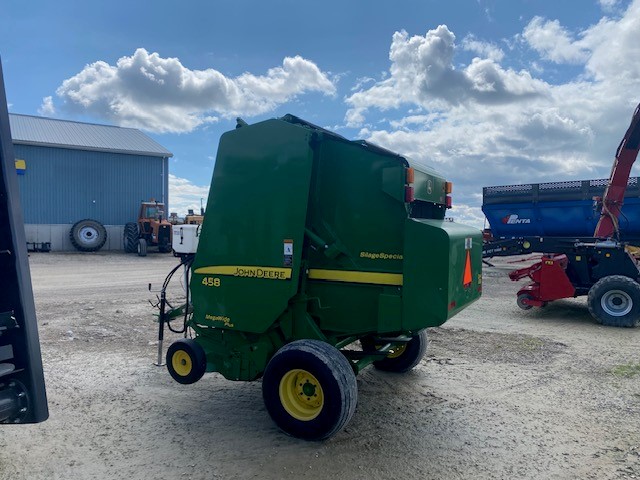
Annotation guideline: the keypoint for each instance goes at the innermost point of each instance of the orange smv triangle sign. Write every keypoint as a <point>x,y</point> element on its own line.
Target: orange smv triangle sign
<point>468,277</point>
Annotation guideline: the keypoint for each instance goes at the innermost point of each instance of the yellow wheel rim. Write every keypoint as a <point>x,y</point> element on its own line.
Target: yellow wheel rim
<point>301,395</point>
<point>397,351</point>
<point>181,363</point>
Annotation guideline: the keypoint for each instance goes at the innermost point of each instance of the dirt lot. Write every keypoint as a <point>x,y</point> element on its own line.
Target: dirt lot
<point>502,394</point>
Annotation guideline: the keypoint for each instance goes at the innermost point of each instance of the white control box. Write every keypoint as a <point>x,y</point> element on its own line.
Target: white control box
<point>185,238</point>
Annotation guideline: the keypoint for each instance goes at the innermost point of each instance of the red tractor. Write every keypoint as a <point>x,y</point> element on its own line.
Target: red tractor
<point>152,229</point>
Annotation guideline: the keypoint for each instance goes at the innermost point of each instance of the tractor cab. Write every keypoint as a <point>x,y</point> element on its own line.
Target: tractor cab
<point>152,229</point>
<point>151,211</point>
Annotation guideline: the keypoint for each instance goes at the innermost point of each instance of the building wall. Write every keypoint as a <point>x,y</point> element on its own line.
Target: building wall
<point>61,186</point>
<point>58,236</point>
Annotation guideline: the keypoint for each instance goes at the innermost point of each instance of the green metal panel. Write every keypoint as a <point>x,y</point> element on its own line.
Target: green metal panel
<point>345,308</point>
<point>357,207</point>
<point>428,185</point>
<point>433,281</point>
<point>243,278</point>
<point>351,207</point>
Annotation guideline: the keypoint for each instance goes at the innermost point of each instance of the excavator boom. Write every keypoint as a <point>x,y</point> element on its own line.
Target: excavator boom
<point>614,194</point>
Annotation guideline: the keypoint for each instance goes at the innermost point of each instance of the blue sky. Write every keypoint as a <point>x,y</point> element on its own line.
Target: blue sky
<point>487,92</point>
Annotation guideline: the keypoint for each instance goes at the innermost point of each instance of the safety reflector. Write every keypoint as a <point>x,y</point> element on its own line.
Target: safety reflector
<point>468,277</point>
<point>408,194</point>
<point>410,175</point>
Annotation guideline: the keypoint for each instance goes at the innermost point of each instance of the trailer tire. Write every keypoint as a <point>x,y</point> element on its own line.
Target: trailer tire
<point>405,357</point>
<point>520,301</point>
<point>186,361</point>
<point>310,389</point>
<point>88,235</point>
<point>142,247</point>
<point>130,237</point>
<point>615,301</point>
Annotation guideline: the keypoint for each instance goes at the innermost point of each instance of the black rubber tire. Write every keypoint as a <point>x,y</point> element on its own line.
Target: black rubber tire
<point>164,248</point>
<point>186,361</point>
<point>522,297</point>
<point>88,235</point>
<point>615,301</point>
<point>413,352</point>
<point>335,377</point>
<point>142,247</point>
<point>130,237</point>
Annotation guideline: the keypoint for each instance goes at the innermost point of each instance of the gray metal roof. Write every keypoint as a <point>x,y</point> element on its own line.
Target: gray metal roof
<point>49,132</point>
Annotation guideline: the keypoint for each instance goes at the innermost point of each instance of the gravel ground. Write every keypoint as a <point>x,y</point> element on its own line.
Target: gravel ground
<point>502,393</point>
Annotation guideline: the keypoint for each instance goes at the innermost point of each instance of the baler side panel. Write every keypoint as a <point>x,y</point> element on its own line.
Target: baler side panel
<point>356,209</point>
<point>349,207</point>
<point>438,280</point>
<point>243,277</point>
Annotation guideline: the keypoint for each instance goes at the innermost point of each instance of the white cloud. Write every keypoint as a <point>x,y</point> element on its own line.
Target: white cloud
<point>47,109</point>
<point>361,82</point>
<point>162,95</point>
<point>483,124</point>
<point>608,5</point>
<point>485,49</point>
<point>615,49</point>
<point>422,72</point>
<point>468,215</point>
<point>554,42</point>
<point>184,195</point>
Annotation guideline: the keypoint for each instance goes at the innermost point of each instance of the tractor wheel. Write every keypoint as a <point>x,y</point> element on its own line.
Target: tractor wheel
<point>310,389</point>
<point>520,301</point>
<point>142,247</point>
<point>130,237</point>
<point>164,248</point>
<point>615,301</point>
<point>88,235</point>
<point>404,357</point>
<point>186,361</point>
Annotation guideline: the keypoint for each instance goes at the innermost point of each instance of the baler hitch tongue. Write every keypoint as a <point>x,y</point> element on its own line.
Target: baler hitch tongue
<point>165,317</point>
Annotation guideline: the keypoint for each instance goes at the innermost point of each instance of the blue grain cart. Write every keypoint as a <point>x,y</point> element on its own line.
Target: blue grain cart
<point>556,209</point>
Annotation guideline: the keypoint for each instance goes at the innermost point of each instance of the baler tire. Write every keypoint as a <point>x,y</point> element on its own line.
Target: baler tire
<point>130,237</point>
<point>88,235</point>
<point>521,304</point>
<point>142,247</point>
<point>186,361</point>
<point>405,357</point>
<point>310,389</point>
<point>615,301</point>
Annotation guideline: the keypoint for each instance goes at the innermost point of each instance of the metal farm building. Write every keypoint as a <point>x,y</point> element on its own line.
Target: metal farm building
<point>70,171</point>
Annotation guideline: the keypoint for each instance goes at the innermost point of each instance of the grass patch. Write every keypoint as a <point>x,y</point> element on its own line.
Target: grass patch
<point>532,344</point>
<point>628,371</point>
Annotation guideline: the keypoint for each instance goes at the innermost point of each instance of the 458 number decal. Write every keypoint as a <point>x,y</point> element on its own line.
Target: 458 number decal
<point>211,281</point>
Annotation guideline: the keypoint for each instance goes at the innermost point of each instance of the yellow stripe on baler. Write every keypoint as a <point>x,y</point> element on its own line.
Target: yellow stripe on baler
<point>347,276</point>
